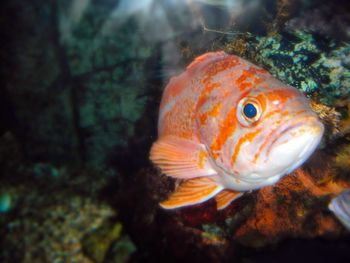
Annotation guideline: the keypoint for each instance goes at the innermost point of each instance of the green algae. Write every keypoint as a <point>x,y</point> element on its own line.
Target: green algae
<point>317,65</point>
<point>97,243</point>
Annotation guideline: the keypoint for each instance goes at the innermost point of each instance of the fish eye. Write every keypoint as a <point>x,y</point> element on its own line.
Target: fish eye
<point>249,111</point>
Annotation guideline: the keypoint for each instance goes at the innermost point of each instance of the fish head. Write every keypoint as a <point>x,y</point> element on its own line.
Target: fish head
<point>276,132</point>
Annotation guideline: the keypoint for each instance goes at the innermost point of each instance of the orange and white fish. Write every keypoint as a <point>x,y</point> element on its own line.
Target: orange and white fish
<point>227,126</point>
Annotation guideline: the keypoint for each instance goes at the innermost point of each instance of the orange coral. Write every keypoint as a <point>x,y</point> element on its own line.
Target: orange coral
<point>293,207</point>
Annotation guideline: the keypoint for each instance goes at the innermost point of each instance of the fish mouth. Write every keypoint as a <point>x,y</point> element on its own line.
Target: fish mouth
<point>308,125</point>
<point>294,143</point>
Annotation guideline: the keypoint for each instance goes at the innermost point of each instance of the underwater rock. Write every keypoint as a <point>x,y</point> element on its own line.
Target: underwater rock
<point>342,159</point>
<point>328,18</point>
<point>34,92</point>
<point>345,122</point>
<point>161,235</point>
<point>121,250</point>
<point>342,153</point>
<point>10,154</point>
<point>285,9</point>
<point>49,219</point>
<point>45,169</point>
<point>97,243</point>
<point>330,117</point>
<point>315,64</point>
<point>77,98</point>
<point>296,207</point>
<point>53,234</point>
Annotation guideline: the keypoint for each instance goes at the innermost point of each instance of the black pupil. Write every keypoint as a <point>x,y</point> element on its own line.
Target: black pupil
<point>249,110</point>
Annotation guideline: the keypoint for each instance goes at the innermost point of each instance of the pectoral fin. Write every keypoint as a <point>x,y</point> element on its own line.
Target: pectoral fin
<point>181,158</point>
<point>225,197</point>
<point>190,192</point>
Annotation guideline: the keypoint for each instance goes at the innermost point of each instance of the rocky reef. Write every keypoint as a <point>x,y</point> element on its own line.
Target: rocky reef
<point>81,87</point>
<point>296,207</point>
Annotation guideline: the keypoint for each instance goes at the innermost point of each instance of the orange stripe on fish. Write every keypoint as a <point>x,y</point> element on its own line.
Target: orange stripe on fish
<point>245,85</point>
<point>244,76</point>
<point>212,113</point>
<point>247,137</point>
<point>262,101</point>
<point>257,81</point>
<point>281,95</point>
<point>215,68</point>
<point>209,87</point>
<point>245,79</point>
<point>227,127</point>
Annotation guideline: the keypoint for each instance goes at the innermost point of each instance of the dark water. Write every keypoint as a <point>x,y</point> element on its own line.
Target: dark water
<point>81,83</point>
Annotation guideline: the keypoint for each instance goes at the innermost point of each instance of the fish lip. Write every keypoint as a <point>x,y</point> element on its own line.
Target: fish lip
<point>312,122</point>
<point>279,134</point>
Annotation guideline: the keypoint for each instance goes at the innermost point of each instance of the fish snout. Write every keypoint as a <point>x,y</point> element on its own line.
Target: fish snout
<point>294,143</point>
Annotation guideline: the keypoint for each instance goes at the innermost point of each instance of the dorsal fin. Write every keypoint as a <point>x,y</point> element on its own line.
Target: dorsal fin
<point>205,59</point>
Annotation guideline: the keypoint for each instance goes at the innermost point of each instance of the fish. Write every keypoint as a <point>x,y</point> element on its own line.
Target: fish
<point>227,127</point>
<point>340,206</point>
